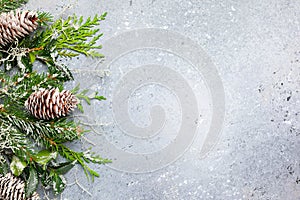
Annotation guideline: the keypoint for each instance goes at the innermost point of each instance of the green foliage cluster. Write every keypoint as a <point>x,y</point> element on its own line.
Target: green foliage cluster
<point>33,148</point>
<point>8,5</point>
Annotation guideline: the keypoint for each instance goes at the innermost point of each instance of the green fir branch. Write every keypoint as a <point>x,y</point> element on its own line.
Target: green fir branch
<point>11,139</point>
<point>46,134</point>
<point>44,18</point>
<point>8,5</point>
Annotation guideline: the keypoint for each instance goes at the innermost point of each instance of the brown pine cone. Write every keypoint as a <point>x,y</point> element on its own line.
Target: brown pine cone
<point>14,25</point>
<point>50,104</point>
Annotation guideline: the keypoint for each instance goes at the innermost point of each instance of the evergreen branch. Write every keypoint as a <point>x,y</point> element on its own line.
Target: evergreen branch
<point>22,135</point>
<point>44,18</point>
<point>70,37</point>
<point>83,96</point>
<point>14,142</point>
<point>11,140</point>
<point>82,158</point>
<point>63,38</point>
<point>16,89</point>
<point>4,168</point>
<point>8,5</point>
<point>62,71</point>
<point>12,56</point>
<point>45,133</point>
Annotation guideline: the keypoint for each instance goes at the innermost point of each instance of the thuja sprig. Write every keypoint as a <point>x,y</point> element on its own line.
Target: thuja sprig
<point>82,158</point>
<point>82,95</point>
<point>64,38</point>
<point>74,36</point>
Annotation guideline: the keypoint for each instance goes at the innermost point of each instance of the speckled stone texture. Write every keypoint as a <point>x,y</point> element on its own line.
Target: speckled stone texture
<point>255,47</point>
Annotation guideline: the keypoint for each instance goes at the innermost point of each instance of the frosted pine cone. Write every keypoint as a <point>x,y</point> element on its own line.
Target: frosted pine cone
<point>50,104</point>
<point>14,25</point>
<point>12,187</point>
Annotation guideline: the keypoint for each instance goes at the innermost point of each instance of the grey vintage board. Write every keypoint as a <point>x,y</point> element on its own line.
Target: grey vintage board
<point>202,99</point>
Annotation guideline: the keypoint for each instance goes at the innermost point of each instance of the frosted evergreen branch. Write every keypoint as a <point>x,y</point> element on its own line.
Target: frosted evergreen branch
<point>44,133</point>
<point>10,138</point>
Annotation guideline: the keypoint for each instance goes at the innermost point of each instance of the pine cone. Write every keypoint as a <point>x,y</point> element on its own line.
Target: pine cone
<point>14,25</point>
<point>12,187</point>
<point>50,104</point>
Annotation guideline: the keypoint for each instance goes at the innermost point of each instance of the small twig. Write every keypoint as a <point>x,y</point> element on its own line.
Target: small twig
<point>78,184</point>
<point>35,49</point>
<point>42,58</point>
<point>45,194</point>
<point>85,190</point>
<point>91,127</point>
<point>87,140</point>
<point>80,116</point>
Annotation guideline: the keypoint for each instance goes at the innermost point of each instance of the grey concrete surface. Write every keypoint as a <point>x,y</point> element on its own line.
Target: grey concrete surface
<point>255,48</point>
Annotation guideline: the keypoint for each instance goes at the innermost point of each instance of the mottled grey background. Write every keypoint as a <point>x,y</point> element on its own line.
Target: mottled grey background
<point>255,46</point>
